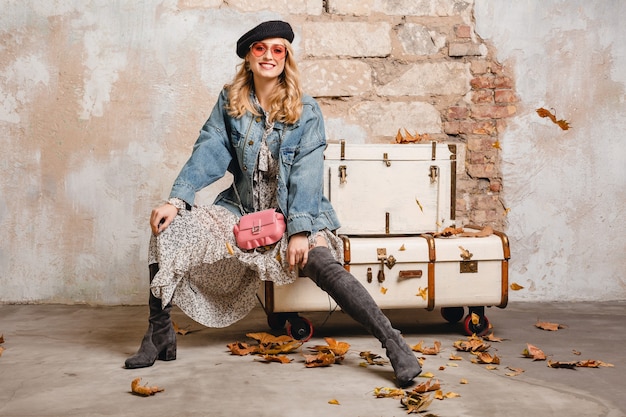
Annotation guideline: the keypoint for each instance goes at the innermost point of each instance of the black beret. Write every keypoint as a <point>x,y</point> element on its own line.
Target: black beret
<point>269,29</point>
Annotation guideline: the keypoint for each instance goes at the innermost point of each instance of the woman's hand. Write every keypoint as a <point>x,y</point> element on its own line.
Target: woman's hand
<point>298,250</point>
<point>161,217</point>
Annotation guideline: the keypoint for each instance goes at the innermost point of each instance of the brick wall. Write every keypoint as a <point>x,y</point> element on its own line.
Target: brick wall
<point>377,66</point>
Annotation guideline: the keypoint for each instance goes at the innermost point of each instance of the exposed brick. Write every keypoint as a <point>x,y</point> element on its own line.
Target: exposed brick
<point>465,127</point>
<point>479,144</point>
<point>463,31</point>
<point>460,49</point>
<point>503,82</point>
<point>481,170</point>
<point>457,112</point>
<point>486,111</point>
<point>482,96</point>
<point>479,67</point>
<point>495,186</point>
<point>483,81</point>
<point>505,96</point>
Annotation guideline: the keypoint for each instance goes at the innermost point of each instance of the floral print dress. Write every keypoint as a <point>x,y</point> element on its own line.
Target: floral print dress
<point>202,270</point>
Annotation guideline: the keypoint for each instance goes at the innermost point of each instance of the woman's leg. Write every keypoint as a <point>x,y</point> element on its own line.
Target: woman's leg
<point>354,299</point>
<point>160,338</point>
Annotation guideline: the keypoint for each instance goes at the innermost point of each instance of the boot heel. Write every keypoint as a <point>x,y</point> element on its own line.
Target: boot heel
<point>168,353</point>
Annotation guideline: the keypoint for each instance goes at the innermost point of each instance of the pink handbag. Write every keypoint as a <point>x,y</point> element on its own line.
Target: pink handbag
<point>261,228</point>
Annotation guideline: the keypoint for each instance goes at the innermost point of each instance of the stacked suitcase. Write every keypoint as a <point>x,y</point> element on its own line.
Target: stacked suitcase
<point>394,201</point>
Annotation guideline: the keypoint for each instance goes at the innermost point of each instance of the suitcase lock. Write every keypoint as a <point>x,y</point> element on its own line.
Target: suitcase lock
<point>467,266</point>
<point>390,261</point>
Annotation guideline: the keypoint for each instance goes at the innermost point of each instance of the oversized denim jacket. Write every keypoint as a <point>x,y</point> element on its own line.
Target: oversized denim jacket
<point>232,144</point>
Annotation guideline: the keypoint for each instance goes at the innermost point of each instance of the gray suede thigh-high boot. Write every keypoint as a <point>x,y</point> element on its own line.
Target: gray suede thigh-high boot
<point>160,338</point>
<point>354,299</point>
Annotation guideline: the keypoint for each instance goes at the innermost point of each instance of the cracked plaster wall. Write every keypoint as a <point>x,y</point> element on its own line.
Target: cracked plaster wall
<point>100,103</point>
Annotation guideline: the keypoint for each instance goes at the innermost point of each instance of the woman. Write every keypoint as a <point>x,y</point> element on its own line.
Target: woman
<point>271,138</point>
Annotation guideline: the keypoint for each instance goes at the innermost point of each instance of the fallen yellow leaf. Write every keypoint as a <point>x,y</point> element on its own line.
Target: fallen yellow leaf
<point>334,402</point>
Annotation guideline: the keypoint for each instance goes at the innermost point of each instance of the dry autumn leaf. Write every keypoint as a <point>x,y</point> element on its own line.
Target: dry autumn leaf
<point>143,390</point>
<point>409,138</point>
<point>274,345</point>
<point>333,402</point>
<point>563,124</point>
<point>449,231</point>
<point>516,287</point>
<point>427,350</point>
<point>485,357</point>
<point>590,363</point>
<point>320,360</point>
<point>274,358</point>
<point>422,292</point>
<point>430,385</point>
<point>419,205</point>
<point>386,392</point>
<point>383,290</point>
<point>472,344</point>
<point>514,371</point>
<point>484,232</point>
<point>372,358</point>
<point>338,348</point>
<point>534,352</point>
<point>492,338</point>
<point>229,248</point>
<point>416,403</point>
<point>553,327</point>
<point>241,349</point>
<point>181,331</point>
<point>439,395</point>
<point>563,365</point>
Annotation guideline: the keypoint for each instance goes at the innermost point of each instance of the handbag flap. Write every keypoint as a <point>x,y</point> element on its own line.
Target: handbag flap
<point>259,218</point>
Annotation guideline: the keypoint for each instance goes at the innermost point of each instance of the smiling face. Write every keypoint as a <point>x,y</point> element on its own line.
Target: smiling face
<point>267,59</point>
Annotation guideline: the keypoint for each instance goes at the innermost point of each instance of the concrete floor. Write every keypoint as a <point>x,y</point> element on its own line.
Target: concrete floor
<point>67,361</point>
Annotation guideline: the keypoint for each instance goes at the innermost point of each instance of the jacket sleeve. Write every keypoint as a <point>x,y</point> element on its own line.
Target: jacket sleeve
<point>209,159</point>
<point>306,178</point>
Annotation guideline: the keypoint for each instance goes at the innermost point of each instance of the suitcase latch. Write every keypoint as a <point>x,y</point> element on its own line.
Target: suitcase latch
<point>386,159</point>
<point>343,174</point>
<point>434,173</point>
<point>389,261</point>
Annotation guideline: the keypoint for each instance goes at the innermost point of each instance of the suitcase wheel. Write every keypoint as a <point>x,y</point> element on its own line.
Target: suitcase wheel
<point>479,329</point>
<point>276,321</point>
<point>299,328</point>
<point>452,314</point>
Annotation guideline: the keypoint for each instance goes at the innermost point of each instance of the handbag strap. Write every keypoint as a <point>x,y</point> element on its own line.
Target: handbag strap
<point>243,211</point>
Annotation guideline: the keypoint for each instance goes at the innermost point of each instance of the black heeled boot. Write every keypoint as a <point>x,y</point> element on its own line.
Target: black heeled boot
<point>159,342</point>
<point>354,299</point>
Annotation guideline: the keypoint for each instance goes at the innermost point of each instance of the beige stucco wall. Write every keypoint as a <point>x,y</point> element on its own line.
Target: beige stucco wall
<point>101,101</point>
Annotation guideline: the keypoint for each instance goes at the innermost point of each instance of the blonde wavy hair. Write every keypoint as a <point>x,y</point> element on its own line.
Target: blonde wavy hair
<point>285,101</point>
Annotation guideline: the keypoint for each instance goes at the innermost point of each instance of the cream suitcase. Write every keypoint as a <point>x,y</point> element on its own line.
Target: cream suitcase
<point>391,200</point>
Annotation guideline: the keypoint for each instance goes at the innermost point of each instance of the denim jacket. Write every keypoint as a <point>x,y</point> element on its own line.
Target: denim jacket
<point>232,144</point>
